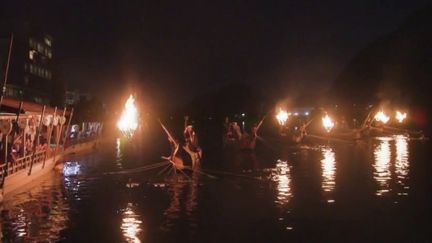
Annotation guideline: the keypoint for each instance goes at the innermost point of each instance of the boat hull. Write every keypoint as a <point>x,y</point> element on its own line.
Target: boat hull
<point>22,178</point>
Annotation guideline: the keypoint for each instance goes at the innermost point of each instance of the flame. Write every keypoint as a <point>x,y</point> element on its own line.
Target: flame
<point>401,116</point>
<point>382,117</point>
<point>282,117</point>
<point>128,121</point>
<point>327,123</point>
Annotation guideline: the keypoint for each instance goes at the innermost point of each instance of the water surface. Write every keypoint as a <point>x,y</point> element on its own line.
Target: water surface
<point>374,190</point>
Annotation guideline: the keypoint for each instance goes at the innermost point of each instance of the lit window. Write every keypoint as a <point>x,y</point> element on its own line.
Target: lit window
<point>47,41</point>
<point>49,54</point>
<point>32,54</point>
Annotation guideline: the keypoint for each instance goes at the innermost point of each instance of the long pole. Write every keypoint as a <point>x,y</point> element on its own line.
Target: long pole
<point>17,122</point>
<point>68,127</point>
<point>36,139</point>
<point>7,70</point>
<point>1,102</point>
<point>51,128</point>
<point>5,171</point>
<point>58,135</point>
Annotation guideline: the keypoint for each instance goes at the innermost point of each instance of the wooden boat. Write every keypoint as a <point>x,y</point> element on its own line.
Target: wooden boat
<point>34,138</point>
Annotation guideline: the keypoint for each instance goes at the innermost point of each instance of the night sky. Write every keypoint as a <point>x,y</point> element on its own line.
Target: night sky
<point>175,50</point>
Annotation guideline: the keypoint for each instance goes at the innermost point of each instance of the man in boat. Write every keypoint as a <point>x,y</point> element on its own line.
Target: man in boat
<point>248,140</point>
<point>300,133</point>
<point>191,143</point>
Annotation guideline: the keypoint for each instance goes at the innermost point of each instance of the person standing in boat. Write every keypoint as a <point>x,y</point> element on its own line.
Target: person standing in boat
<point>248,140</point>
<point>191,142</point>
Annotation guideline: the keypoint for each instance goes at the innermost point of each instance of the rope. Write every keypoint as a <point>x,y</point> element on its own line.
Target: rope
<point>139,169</point>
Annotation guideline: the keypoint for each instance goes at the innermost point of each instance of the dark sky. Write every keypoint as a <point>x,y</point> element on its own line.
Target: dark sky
<point>178,49</point>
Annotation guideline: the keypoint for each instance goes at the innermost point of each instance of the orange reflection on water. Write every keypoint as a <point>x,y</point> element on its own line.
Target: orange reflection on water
<point>38,215</point>
<point>402,163</point>
<point>328,166</point>
<point>131,225</point>
<point>382,174</point>
<point>183,193</point>
<point>119,154</point>
<point>283,179</point>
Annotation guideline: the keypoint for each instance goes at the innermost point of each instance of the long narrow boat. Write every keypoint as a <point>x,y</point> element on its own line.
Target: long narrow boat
<point>33,139</point>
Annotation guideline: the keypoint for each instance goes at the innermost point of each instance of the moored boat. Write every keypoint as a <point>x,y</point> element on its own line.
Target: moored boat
<point>33,138</point>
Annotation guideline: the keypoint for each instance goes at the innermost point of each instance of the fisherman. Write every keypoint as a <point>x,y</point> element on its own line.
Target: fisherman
<point>248,140</point>
<point>300,132</point>
<point>226,126</point>
<point>191,142</point>
<point>235,130</point>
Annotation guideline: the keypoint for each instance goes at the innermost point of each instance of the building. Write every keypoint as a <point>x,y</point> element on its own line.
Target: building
<point>31,75</point>
<point>74,97</point>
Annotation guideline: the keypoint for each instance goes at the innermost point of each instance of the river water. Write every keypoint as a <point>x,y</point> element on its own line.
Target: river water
<point>374,190</point>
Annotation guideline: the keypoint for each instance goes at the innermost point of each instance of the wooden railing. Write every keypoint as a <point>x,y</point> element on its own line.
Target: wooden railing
<point>23,163</point>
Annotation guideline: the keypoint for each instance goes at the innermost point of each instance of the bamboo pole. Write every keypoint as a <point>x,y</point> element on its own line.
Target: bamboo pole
<point>5,171</point>
<point>58,135</point>
<point>3,91</point>
<point>67,127</point>
<point>17,121</point>
<point>36,139</point>
<point>7,70</point>
<point>51,128</point>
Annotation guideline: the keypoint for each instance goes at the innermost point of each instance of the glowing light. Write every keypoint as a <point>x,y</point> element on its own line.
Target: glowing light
<point>381,117</point>
<point>400,116</point>
<point>327,123</point>
<point>128,121</point>
<point>282,117</point>
<point>71,169</point>
<point>382,172</point>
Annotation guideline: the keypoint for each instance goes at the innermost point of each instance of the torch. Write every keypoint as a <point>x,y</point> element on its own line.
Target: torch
<point>128,122</point>
<point>328,123</point>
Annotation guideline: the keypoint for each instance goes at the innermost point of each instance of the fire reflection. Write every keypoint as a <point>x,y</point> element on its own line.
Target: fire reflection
<point>119,154</point>
<point>328,166</point>
<point>382,172</point>
<point>38,215</point>
<point>183,202</point>
<point>282,177</point>
<point>131,224</point>
<point>402,163</point>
